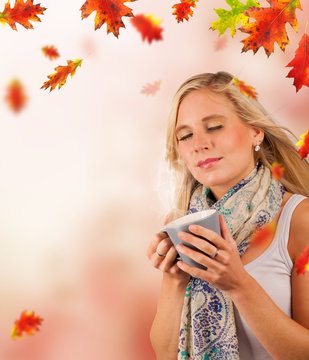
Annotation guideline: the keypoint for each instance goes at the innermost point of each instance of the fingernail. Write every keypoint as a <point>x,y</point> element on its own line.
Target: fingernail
<point>193,227</point>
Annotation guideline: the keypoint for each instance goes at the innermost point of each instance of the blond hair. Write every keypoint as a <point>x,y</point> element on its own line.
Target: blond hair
<point>277,145</point>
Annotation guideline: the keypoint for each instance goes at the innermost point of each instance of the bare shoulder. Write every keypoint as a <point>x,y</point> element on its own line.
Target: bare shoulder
<point>299,230</point>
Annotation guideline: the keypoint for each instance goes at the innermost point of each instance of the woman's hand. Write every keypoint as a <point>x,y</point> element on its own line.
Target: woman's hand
<point>162,254</point>
<point>224,266</point>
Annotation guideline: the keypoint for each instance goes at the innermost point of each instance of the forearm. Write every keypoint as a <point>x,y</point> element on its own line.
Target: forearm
<point>164,333</point>
<point>280,335</point>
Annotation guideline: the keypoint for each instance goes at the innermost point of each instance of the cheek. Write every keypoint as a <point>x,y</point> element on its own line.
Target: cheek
<point>237,140</point>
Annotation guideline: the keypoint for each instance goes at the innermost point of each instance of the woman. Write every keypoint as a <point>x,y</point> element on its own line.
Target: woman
<point>249,303</point>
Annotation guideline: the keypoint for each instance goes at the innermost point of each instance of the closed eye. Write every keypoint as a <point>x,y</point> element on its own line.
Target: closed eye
<point>215,128</point>
<point>185,137</point>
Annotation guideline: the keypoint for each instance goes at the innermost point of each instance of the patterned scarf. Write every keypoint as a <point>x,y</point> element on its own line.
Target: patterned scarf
<point>208,329</point>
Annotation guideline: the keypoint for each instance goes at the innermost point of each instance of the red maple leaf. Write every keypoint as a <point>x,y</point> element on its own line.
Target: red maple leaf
<point>28,323</point>
<point>109,11</point>
<point>263,234</point>
<point>277,170</point>
<point>269,26</point>
<point>21,13</point>
<point>148,26</point>
<point>16,97</point>
<point>302,263</point>
<point>60,76</point>
<point>183,9</point>
<point>245,89</point>
<point>304,145</point>
<point>50,51</point>
<point>300,72</point>
<point>151,89</point>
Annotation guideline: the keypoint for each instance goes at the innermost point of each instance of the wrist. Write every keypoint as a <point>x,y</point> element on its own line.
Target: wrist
<point>241,291</point>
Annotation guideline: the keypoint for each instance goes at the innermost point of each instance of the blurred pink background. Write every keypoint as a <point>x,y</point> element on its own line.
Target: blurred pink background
<point>83,183</point>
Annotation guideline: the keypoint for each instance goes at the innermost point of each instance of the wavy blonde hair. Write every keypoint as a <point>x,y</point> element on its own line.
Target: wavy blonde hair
<point>276,146</point>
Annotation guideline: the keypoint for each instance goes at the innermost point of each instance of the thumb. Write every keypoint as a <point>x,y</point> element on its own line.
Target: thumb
<point>225,230</point>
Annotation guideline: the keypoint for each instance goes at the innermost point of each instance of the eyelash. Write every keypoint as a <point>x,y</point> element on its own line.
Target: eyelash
<point>209,129</point>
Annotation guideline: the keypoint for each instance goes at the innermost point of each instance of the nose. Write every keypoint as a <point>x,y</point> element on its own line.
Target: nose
<point>200,142</point>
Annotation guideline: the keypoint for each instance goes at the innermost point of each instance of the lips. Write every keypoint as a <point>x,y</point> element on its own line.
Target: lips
<point>207,163</point>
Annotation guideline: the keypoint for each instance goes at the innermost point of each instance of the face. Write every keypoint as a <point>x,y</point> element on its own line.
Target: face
<point>216,146</point>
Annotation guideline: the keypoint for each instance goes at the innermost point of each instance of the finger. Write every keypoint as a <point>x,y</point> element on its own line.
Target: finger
<point>195,272</point>
<point>163,246</point>
<point>155,242</point>
<point>208,234</point>
<point>200,258</point>
<point>169,260</point>
<point>201,244</point>
<point>225,230</point>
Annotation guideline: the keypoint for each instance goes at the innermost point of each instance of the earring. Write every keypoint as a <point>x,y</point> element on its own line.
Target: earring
<point>257,148</point>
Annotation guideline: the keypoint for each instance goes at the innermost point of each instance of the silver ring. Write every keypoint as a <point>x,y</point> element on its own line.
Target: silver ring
<point>216,254</point>
<point>160,254</point>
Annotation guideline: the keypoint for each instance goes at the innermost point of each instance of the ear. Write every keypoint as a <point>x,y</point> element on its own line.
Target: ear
<point>257,135</point>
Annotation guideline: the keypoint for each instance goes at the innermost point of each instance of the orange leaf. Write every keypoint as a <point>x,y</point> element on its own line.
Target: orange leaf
<point>148,26</point>
<point>151,89</point>
<point>60,77</point>
<point>16,97</point>
<point>109,11</point>
<point>277,170</point>
<point>304,145</point>
<point>269,26</point>
<point>300,72</point>
<point>263,235</point>
<point>50,51</point>
<point>302,263</point>
<point>183,9</point>
<point>21,13</point>
<point>27,323</point>
<point>245,89</point>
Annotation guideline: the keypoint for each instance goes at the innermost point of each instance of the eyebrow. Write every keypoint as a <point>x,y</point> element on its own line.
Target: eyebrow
<point>204,119</point>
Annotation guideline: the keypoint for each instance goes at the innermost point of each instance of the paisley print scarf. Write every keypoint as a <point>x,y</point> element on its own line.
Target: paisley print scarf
<point>208,329</point>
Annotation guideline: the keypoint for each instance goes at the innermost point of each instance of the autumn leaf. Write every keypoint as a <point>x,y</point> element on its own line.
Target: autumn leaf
<point>304,145</point>
<point>50,51</point>
<point>269,26</point>
<point>245,89</point>
<point>60,76</point>
<point>21,13</point>
<point>262,235</point>
<point>231,18</point>
<point>151,89</point>
<point>148,26</point>
<point>300,72</point>
<point>28,323</point>
<point>16,97</point>
<point>220,43</point>
<point>183,9</point>
<point>277,170</point>
<point>302,263</point>
<point>109,12</point>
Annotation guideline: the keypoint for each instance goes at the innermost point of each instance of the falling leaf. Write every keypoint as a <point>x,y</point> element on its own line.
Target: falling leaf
<point>269,26</point>
<point>262,235</point>
<point>304,145</point>
<point>60,76</point>
<point>277,170</point>
<point>16,97</point>
<point>302,263</point>
<point>151,89</point>
<point>21,13</point>
<point>50,51</point>
<point>148,26</point>
<point>300,72</point>
<point>231,18</point>
<point>220,43</point>
<point>109,12</point>
<point>183,9</point>
<point>28,323</point>
<point>245,89</point>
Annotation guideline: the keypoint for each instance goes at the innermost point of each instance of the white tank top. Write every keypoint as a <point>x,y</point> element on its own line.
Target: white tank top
<point>272,270</point>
